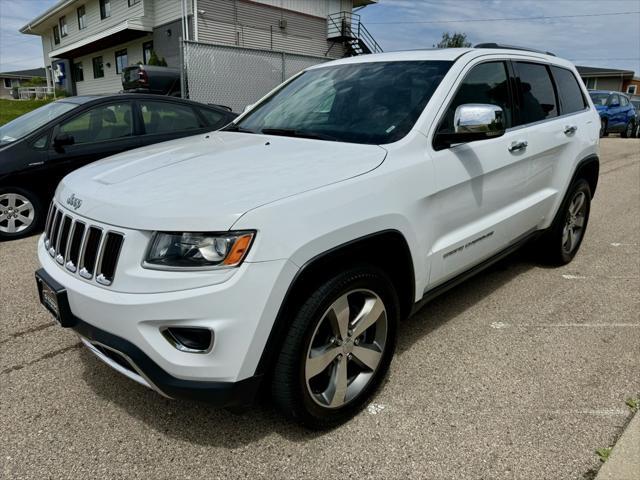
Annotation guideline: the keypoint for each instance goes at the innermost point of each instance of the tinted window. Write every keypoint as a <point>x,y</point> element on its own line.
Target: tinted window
<point>165,117</point>
<point>623,101</point>
<point>571,98</point>
<point>104,122</point>
<point>614,100</point>
<point>213,118</point>
<point>537,97</point>
<point>485,83</point>
<point>599,98</point>
<point>372,103</point>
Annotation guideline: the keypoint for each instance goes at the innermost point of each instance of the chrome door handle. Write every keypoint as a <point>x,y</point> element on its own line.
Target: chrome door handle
<point>569,129</point>
<point>515,146</point>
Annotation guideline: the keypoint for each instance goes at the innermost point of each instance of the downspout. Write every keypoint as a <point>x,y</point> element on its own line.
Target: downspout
<point>195,20</point>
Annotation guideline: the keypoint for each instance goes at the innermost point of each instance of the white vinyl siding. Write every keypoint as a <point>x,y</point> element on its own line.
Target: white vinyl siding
<point>120,11</point>
<point>318,8</point>
<point>250,24</point>
<point>166,11</point>
<point>111,82</point>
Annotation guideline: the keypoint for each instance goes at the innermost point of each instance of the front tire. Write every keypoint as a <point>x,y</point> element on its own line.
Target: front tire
<point>562,241</point>
<point>603,128</point>
<point>338,348</point>
<point>20,213</point>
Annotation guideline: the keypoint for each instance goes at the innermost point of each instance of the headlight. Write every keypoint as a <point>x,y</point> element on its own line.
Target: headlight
<point>198,250</point>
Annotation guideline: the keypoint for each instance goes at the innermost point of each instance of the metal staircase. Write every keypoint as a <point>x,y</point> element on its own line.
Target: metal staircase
<point>347,29</point>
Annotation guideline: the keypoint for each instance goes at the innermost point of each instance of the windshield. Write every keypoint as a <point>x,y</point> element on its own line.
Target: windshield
<point>599,98</point>
<point>27,123</point>
<point>372,103</point>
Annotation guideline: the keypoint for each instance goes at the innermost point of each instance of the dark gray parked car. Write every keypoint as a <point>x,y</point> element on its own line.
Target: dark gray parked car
<point>151,79</point>
<point>42,146</point>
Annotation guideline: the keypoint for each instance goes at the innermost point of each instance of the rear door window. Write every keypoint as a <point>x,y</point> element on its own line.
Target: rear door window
<point>167,117</point>
<point>213,118</point>
<point>571,97</point>
<point>537,95</point>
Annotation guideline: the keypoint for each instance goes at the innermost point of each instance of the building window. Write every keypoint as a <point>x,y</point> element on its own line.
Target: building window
<point>78,74</point>
<point>105,9</point>
<point>590,83</point>
<point>98,67</point>
<point>147,50</point>
<point>7,83</point>
<point>56,35</point>
<point>632,89</point>
<point>121,60</point>
<point>63,27</point>
<point>82,18</point>
<point>133,2</point>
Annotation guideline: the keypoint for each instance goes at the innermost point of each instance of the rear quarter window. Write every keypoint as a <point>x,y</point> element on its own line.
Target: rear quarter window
<point>571,97</point>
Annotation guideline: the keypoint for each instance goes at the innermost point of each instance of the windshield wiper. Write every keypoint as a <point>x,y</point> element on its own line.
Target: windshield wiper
<point>234,127</point>
<point>290,132</point>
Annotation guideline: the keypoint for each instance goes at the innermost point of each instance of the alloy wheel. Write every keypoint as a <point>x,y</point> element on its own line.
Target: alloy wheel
<point>16,213</point>
<point>575,222</point>
<point>346,348</point>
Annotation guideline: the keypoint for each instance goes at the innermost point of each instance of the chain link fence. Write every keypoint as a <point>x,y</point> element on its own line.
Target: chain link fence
<point>236,76</point>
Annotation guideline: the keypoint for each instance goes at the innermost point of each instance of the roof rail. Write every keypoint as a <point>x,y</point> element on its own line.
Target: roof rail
<point>511,47</point>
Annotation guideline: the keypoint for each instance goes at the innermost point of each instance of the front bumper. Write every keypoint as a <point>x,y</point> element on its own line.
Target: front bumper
<point>240,311</point>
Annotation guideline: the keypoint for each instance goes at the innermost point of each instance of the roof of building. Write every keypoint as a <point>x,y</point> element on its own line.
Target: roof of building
<point>34,72</point>
<point>603,72</point>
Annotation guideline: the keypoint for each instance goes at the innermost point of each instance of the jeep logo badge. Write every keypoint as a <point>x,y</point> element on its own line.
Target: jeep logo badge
<point>74,202</point>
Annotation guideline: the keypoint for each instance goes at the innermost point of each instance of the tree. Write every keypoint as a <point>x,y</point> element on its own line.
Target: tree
<point>455,40</point>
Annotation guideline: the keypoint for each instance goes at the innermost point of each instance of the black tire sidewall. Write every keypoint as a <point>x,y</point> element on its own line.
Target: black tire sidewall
<point>36,202</point>
<point>305,409</point>
<point>578,185</point>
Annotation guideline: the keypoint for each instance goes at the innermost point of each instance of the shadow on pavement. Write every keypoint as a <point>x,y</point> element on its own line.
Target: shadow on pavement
<point>201,424</point>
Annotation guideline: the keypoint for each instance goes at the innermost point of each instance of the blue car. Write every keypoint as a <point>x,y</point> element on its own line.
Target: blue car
<point>617,113</point>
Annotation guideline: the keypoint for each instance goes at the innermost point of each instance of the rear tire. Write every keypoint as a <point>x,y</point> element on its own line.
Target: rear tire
<point>330,363</point>
<point>20,213</point>
<point>561,242</point>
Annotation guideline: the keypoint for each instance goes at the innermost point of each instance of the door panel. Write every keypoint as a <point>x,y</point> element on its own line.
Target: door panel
<point>99,132</point>
<point>478,183</point>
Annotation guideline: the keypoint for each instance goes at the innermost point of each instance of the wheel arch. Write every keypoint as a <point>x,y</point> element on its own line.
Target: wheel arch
<point>399,266</point>
<point>589,169</point>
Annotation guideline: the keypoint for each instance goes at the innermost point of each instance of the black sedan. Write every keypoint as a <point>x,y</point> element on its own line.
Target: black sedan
<point>39,148</point>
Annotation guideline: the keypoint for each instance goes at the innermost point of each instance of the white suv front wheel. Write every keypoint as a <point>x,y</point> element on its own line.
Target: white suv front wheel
<point>338,348</point>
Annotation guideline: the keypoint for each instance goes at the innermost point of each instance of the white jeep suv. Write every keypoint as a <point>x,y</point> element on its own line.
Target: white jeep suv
<point>278,255</point>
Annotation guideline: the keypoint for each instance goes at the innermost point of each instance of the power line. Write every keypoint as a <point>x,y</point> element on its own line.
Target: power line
<point>502,19</point>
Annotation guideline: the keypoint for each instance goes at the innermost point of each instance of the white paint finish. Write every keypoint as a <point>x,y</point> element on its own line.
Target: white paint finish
<point>264,169</point>
<point>112,81</point>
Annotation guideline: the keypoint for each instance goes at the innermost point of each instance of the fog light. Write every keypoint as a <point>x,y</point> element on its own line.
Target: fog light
<point>189,339</point>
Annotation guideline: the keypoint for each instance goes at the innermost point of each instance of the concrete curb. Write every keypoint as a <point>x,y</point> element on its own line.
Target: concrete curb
<point>624,461</point>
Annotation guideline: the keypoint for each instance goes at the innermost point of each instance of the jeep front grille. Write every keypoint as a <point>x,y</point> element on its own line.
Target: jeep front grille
<point>87,250</point>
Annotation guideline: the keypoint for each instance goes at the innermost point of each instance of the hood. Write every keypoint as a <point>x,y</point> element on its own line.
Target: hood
<point>600,108</point>
<point>207,182</point>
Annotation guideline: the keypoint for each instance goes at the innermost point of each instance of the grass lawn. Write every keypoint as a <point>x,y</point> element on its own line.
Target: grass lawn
<point>10,109</point>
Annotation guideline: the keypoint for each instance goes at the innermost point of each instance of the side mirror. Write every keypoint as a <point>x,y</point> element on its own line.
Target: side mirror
<point>473,121</point>
<point>614,105</point>
<point>63,139</point>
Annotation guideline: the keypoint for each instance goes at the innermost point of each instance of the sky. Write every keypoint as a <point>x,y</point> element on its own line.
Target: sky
<point>595,40</point>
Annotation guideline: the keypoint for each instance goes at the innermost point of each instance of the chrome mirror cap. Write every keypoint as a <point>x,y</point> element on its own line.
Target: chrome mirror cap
<point>479,118</point>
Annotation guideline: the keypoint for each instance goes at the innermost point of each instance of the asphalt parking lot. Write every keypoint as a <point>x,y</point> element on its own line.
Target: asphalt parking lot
<point>520,373</point>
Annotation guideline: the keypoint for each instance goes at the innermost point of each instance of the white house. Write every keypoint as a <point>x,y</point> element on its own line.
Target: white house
<point>87,43</point>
